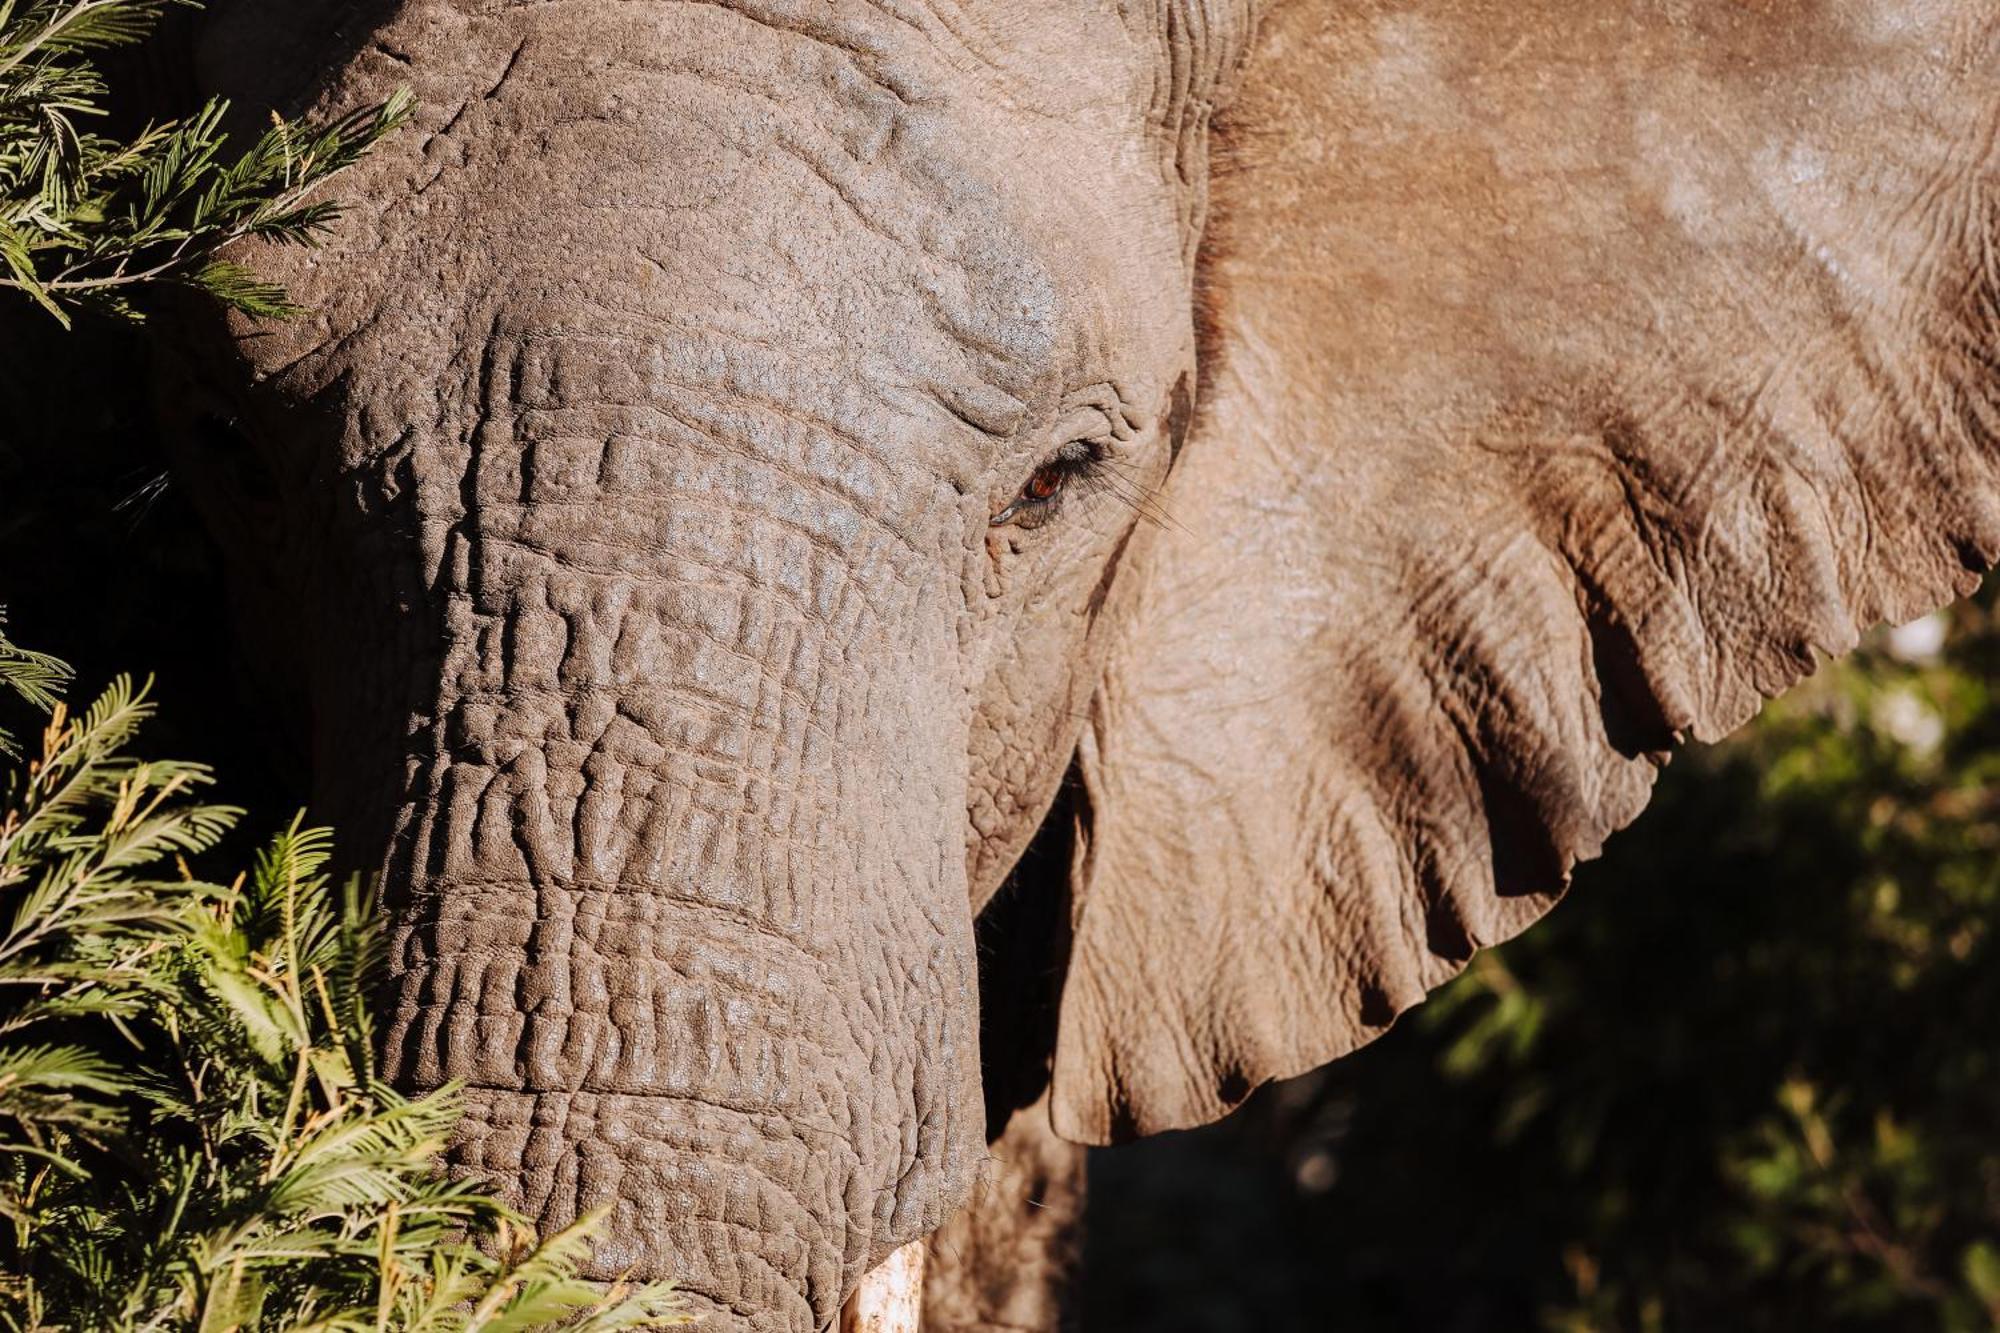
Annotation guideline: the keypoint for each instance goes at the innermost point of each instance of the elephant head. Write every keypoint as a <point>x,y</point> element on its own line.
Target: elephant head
<point>746,452</point>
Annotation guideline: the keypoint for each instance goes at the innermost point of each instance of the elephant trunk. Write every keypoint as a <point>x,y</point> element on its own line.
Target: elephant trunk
<point>648,418</point>
<point>675,890</point>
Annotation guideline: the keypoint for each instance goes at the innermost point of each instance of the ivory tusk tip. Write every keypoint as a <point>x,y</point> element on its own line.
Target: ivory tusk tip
<point>890,1298</point>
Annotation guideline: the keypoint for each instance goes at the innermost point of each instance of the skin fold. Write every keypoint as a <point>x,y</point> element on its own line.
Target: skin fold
<point>750,460</point>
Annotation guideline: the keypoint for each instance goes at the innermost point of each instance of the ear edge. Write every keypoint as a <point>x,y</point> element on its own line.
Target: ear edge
<point>1139,1111</point>
<point>1553,813</point>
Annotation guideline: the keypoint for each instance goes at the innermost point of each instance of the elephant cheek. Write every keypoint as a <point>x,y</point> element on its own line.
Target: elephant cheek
<point>677,885</point>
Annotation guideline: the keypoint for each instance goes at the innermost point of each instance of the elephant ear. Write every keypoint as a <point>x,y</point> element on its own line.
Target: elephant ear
<point>1579,371</point>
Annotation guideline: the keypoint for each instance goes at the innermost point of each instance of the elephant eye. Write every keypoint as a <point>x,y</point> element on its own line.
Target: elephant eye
<point>1048,480</point>
<point>1041,495</point>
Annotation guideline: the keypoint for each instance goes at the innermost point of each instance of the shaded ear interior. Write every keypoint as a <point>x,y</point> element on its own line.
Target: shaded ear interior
<point>1583,377</point>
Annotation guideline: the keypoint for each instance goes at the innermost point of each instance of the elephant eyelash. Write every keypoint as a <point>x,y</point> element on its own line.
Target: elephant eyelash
<point>1080,464</point>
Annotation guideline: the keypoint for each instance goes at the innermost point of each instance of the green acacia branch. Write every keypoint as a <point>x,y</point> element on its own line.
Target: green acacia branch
<point>86,221</point>
<point>61,20</point>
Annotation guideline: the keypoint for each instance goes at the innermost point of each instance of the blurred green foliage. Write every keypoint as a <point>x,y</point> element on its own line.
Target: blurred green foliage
<point>1746,1077</point>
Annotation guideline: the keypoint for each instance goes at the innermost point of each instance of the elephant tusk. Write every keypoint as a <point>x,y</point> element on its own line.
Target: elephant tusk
<point>890,1298</point>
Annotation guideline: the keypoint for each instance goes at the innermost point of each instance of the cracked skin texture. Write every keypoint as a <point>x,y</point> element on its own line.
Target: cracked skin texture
<point>1569,375</point>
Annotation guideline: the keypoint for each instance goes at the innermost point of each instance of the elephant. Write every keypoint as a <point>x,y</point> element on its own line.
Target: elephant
<point>892,586</point>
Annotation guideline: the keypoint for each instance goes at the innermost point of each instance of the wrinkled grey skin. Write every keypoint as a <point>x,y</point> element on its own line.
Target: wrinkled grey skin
<point>646,508</point>
<point>631,489</point>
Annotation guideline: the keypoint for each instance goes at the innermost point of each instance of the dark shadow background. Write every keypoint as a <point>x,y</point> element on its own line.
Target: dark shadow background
<point>103,561</point>
<point>1746,1078</point>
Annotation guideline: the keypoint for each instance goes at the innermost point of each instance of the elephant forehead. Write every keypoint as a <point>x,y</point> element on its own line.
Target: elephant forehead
<point>779,191</point>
